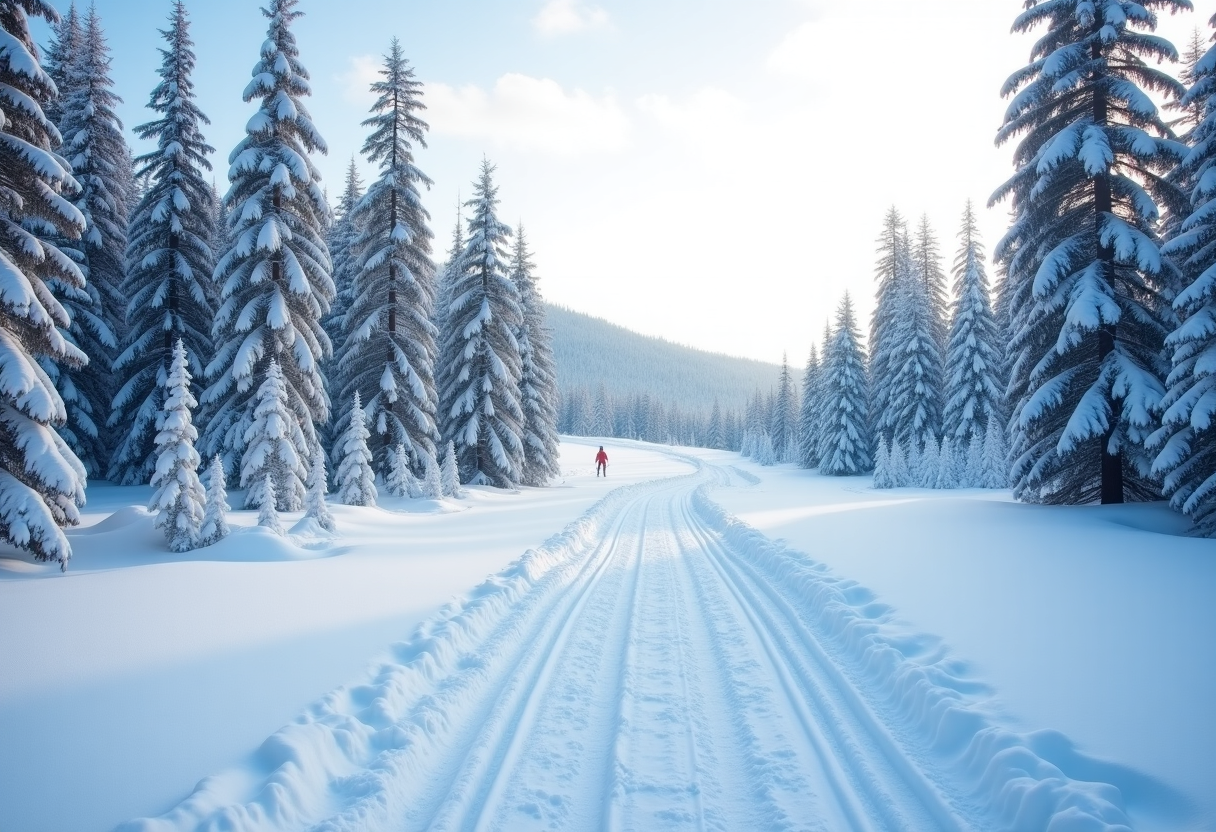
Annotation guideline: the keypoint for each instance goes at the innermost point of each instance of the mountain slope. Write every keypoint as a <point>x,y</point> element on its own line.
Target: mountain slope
<point>591,350</point>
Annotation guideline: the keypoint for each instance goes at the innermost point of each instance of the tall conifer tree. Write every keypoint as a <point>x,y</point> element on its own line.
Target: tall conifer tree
<point>169,258</point>
<point>927,263</point>
<point>94,146</point>
<point>480,397</point>
<point>845,439</point>
<point>538,373</point>
<point>41,481</point>
<point>1186,441</point>
<point>1088,290</point>
<point>974,386</point>
<point>389,340</point>
<point>808,427</point>
<point>276,273</point>
<point>894,260</point>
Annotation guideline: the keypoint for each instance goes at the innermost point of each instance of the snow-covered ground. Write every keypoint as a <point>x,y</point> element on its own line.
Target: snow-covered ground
<point>658,665</point>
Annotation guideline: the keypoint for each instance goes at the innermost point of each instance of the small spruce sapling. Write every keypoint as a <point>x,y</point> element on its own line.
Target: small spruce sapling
<point>315,506</point>
<point>356,479</point>
<point>450,474</point>
<point>215,519</point>
<point>263,495</point>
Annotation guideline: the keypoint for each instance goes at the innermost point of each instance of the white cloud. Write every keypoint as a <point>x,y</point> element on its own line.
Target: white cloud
<point>565,17</point>
<point>526,113</point>
<point>357,80</point>
<point>711,121</point>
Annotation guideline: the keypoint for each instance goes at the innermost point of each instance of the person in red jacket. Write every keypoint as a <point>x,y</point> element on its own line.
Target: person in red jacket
<point>601,462</point>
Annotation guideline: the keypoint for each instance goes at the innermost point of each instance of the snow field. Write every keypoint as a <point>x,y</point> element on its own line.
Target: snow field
<point>151,670</point>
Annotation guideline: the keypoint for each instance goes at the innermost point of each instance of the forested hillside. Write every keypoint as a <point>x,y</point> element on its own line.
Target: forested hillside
<point>591,350</point>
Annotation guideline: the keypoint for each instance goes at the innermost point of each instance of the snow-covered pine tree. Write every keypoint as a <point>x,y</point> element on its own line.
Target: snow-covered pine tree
<point>389,342</point>
<point>973,468</point>
<point>1186,441</point>
<point>432,481</point>
<point>898,466</point>
<point>996,458</point>
<point>974,385</point>
<point>894,259</point>
<point>930,462</point>
<point>927,265</point>
<point>275,274</point>
<point>538,374</point>
<point>481,410</point>
<point>272,445</point>
<point>356,479</point>
<point>845,441</point>
<point>67,39</point>
<point>179,497</point>
<point>913,398</point>
<point>947,466</point>
<point>41,481</point>
<point>315,507</point>
<point>807,428</point>
<point>715,433</point>
<point>94,146</point>
<point>784,427</point>
<point>340,240</point>
<point>261,494</point>
<point>400,481</point>
<point>1088,290</point>
<point>169,259</point>
<point>765,455</point>
<point>449,473</point>
<point>215,512</point>
<point>882,466</point>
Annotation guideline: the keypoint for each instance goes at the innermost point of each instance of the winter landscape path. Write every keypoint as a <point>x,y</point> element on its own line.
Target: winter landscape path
<point>656,666</point>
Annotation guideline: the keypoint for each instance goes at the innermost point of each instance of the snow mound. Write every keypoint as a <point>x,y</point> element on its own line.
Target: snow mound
<point>255,544</point>
<point>924,691</point>
<point>122,518</point>
<point>342,763</point>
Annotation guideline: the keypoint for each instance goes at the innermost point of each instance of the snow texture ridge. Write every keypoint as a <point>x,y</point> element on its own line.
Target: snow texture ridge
<point>926,692</point>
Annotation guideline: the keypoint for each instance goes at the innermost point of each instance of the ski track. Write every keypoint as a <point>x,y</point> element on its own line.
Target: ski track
<point>658,666</point>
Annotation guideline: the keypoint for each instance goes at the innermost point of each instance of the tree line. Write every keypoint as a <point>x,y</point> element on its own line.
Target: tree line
<point>147,323</point>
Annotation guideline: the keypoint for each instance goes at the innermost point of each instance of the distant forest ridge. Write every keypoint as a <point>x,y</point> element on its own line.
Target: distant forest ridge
<point>590,350</point>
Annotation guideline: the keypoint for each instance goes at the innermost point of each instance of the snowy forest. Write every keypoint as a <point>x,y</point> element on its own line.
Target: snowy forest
<point>154,331</point>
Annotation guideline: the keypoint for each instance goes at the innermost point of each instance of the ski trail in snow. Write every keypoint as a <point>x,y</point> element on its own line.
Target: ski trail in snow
<point>657,666</point>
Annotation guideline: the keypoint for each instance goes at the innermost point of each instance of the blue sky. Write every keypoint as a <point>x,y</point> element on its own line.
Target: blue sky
<point>711,171</point>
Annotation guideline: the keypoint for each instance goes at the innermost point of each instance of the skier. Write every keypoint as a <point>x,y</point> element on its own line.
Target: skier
<point>601,461</point>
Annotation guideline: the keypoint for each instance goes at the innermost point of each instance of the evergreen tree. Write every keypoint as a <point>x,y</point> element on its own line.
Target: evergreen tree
<point>389,342</point>
<point>215,512</point>
<point>41,481</point>
<point>272,445</point>
<point>913,401</point>
<point>179,497</point>
<point>894,262</point>
<point>996,458</point>
<point>538,375</point>
<point>784,429</point>
<point>340,240</point>
<point>481,370</point>
<point>315,507</point>
<point>262,495</point>
<point>716,430</point>
<point>400,481</point>
<point>601,411</point>
<point>276,272</point>
<point>356,479</point>
<point>882,466</point>
<point>1186,441</point>
<point>973,358</point>
<point>898,467</point>
<point>1088,288</point>
<point>432,483</point>
<point>93,145</point>
<point>844,447</point>
<point>973,476</point>
<point>947,466</point>
<point>449,473</point>
<point>67,41</point>
<point>930,463</point>
<point>169,258</point>
<point>807,427</point>
<point>927,265</point>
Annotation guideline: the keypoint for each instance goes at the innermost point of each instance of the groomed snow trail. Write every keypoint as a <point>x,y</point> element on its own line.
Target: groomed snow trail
<point>644,672</point>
